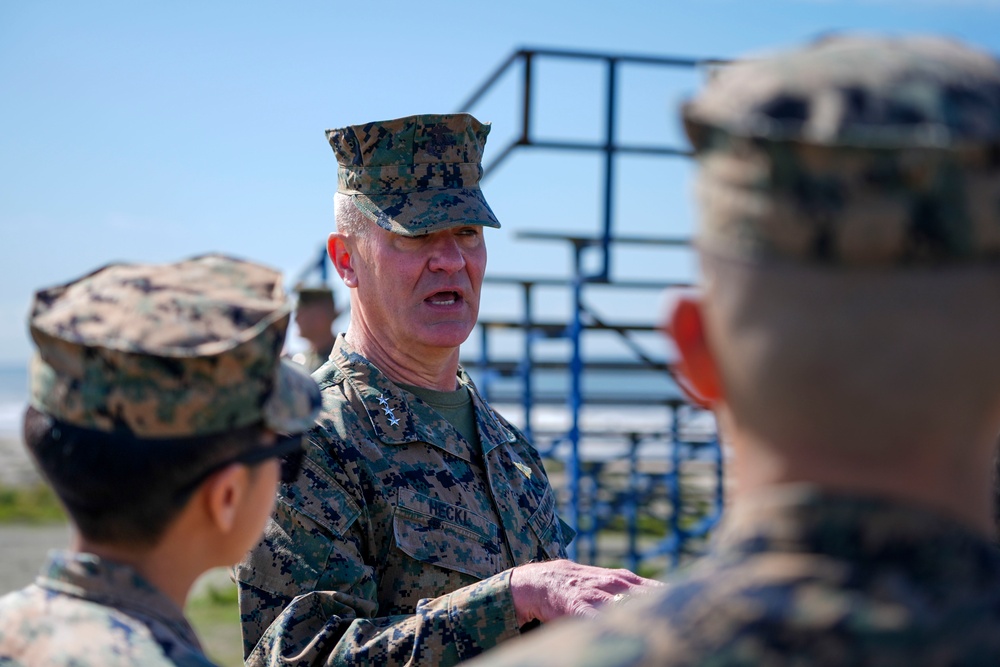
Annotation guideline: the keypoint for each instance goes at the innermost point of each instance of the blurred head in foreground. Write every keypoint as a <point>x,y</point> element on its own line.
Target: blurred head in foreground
<point>849,240</point>
<point>149,379</point>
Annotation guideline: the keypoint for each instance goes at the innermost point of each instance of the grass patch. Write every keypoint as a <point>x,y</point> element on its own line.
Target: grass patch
<point>34,504</point>
<point>553,466</point>
<point>646,525</point>
<point>215,616</point>
<point>647,570</point>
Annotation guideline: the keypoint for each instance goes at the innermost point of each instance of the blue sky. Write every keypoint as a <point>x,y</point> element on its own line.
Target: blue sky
<point>151,131</point>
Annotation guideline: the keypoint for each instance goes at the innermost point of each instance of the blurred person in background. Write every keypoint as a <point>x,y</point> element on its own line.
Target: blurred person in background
<point>315,313</point>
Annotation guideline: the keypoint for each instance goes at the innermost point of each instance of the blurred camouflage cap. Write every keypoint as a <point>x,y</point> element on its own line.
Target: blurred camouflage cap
<point>310,294</point>
<point>417,174</point>
<point>166,351</point>
<point>854,150</point>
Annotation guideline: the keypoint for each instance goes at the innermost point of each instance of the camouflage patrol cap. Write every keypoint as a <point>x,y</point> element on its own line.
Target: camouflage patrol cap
<point>166,351</point>
<point>417,174</point>
<point>854,150</point>
<point>310,294</point>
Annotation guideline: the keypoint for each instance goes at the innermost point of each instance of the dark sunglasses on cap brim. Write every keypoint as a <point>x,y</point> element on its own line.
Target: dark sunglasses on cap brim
<point>288,449</point>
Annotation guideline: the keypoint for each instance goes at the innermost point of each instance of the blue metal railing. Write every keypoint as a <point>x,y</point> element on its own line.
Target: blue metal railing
<point>589,509</point>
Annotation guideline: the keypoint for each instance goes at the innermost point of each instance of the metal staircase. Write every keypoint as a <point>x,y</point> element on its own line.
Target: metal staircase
<point>661,489</point>
<point>668,482</point>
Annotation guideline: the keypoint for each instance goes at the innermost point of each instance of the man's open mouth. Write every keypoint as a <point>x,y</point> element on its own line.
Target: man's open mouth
<point>443,298</point>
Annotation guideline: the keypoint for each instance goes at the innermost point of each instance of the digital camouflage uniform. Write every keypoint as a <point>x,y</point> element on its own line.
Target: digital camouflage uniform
<point>799,577</point>
<point>175,350</point>
<point>84,611</point>
<point>417,174</point>
<point>851,154</point>
<point>394,546</point>
<point>154,354</point>
<point>855,154</point>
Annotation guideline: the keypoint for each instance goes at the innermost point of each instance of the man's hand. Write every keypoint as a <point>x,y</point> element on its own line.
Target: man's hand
<point>546,591</point>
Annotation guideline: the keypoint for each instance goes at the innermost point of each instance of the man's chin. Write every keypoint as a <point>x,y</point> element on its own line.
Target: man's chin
<point>443,335</point>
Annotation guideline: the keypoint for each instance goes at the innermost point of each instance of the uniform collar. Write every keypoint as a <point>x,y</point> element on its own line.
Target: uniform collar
<point>399,417</point>
<point>802,518</point>
<point>116,586</point>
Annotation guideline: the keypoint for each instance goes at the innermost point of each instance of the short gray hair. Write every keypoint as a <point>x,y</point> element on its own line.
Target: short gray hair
<point>350,220</point>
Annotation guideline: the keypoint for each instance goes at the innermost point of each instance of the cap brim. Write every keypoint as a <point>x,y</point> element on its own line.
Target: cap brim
<point>425,211</point>
<point>295,401</point>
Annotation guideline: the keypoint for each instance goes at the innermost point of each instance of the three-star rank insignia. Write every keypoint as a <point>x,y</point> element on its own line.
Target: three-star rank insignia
<point>384,402</point>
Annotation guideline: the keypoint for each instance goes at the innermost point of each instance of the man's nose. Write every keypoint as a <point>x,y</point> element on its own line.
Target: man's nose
<point>447,255</point>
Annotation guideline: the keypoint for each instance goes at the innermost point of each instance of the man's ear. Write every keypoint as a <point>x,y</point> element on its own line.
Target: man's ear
<point>223,492</point>
<point>342,258</point>
<point>697,373</point>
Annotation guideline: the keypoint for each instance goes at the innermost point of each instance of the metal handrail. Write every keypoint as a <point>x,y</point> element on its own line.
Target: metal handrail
<point>584,318</point>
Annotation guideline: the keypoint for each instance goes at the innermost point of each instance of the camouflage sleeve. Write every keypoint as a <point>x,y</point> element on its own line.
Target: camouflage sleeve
<point>40,626</point>
<point>323,627</point>
<point>308,596</point>
<point>651,630</point>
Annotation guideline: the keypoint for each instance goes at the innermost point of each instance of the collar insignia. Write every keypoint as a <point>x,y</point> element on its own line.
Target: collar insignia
<point>384,402</point>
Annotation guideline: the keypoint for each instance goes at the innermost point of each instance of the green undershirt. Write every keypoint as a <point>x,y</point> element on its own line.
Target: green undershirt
<point>455,406</point>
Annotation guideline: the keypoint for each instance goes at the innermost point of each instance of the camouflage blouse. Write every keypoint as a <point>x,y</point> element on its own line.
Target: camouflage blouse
<point>85,611</point>
<point>802,578</point>
<point>394,545</point>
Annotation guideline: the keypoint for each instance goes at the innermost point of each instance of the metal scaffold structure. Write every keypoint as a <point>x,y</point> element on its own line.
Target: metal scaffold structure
<point>663,489</point>
<point>668,483</point>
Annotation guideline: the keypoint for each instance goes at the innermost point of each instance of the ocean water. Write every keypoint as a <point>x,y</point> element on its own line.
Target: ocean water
<point>624,402</point>
<point>15,466</point>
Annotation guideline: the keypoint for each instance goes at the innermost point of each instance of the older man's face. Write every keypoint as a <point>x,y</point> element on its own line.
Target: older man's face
<point>420,292</point>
